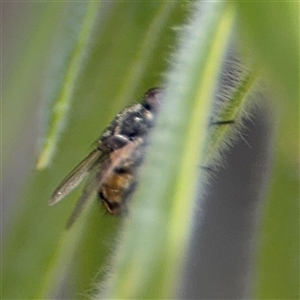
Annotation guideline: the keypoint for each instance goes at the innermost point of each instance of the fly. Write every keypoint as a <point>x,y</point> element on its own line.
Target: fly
<point>112,168</point>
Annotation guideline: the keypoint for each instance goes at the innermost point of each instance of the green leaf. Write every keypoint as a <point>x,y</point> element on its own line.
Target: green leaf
<point>154,242</point>
<point>271,29</point>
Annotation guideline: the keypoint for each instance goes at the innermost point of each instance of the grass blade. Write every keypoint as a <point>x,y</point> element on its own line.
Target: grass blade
<point>155,239</point>
<point>63,101</point>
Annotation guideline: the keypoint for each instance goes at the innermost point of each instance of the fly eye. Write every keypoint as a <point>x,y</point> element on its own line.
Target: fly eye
<point>152,99</point>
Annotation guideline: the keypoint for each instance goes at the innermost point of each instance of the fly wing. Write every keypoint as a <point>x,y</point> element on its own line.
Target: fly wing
<point>98,175</point>
<point>118,156</point>
<point>76,176</point>
<point>88,192</point>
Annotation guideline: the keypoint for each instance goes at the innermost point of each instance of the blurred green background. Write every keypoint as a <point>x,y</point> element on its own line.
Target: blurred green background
<point>127,52</point>
<point>38,41</point>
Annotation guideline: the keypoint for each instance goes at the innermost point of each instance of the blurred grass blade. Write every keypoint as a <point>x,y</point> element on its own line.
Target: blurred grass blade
<point>61,104</point>
<point>272,31</point>
<point>154,242</point>
<point>32,45</point>
<point>62,258</point>
<point>144,54</point>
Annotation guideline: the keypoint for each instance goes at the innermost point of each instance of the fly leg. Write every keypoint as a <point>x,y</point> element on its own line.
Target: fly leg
<point>219,123</point>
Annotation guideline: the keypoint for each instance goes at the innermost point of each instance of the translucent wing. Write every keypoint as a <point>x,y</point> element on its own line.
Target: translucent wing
<point>98,175</point>
<point>99,167</point>
<point>88,192</point>
<point>76,176</point>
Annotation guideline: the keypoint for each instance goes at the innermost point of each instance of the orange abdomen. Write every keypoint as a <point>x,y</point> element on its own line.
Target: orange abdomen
<point>115,190</point>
